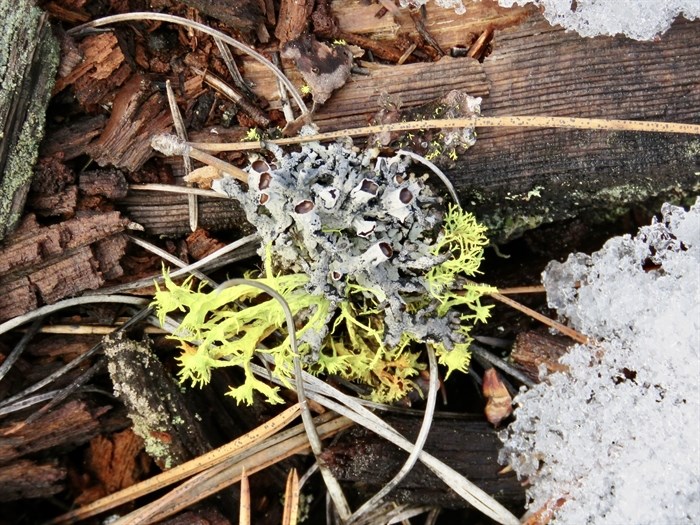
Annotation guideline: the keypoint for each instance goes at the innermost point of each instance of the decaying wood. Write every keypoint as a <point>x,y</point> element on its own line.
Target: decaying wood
<point>74,138</point>
<point>115,462</point>
<point>534,349</point>
<point>42,264</point>
<point>28,63</point>
<point>200,244</point>
<point>103,68</point>
<point>140,112</point>
<point>69,425</point>
<point>28,479</point>
<point>243,15</point>
<point>156,406</point>
<point>470,447</point>
<point>363,96</point>
<point>167,214</point>
<point>516,180</point>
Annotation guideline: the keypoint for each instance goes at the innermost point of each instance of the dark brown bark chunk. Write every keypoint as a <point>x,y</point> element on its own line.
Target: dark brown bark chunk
<point>139,113</point>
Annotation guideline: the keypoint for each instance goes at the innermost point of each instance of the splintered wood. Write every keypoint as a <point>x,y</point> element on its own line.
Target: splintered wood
<point>42,264</point>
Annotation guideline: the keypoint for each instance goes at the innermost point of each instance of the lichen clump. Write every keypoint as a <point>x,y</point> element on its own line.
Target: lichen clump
<point>369,260</point>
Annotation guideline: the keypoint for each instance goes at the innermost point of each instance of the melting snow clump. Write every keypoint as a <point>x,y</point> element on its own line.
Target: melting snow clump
<point>616,439</point>
<point>638,19</point>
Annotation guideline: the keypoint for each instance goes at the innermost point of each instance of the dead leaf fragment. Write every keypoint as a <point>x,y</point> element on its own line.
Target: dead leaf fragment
<point>324,68</point>
<point>203,176</point>
<point>499,404</point>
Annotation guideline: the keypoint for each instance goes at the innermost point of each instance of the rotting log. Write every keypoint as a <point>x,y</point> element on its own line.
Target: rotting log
<point>156,406</point>
<point>518,179</point>
<point>470,447</point>
<point>28,63</point>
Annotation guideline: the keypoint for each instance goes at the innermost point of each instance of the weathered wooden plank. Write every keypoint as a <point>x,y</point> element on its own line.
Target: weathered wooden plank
<point>519,179</point>
<point>469,446</point>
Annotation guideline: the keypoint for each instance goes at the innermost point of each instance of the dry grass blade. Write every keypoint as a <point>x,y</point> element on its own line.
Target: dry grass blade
<point>483,122</point>
<point>67,303</point>
<point>290,515</point>
<point>501,364</point>
<point>181,131</point>
<point>228,472</point>
<point>171,145</point>
<point>434,383</point>
<point>341,403</point>
<point>13,356</point>
<point>195,466</point>
<point>337,401</point>
<point>332,484</point>
<point>573,334</point>
<point>522,289</point>
<point>244,509</point>
<point>170,258</point>
<point>169,188</point>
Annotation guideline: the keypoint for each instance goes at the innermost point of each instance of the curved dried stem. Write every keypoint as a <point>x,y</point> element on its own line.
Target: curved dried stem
<point>375,500</point>
<point>437,171</point>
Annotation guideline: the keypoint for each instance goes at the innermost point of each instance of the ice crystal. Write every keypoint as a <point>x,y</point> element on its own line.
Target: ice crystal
<point>616,439</point>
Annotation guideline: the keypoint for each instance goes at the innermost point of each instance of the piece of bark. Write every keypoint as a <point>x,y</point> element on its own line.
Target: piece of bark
<point>167,214</point>
<point>293,19</point>
<point>139,113</point>
<point>28,479</point>
<point>61,204</point>
<point>68,425</point>
<point>42,264</point>
<point>534,349</point>
<point>468,446</point>
<point>357,102</point>
<point>73,139</point>
<point>520,179</point>
<point>110,184</point>
<point>28,63</point>
<point>170,432</point>
<point>359,18</point>
<point>101,71</point>
<point>53,192</point>
<point>243,15</point>
<point>200,243</point>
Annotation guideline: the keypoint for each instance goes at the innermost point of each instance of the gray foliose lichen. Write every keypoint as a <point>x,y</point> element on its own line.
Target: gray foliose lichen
<point>341,216</point>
